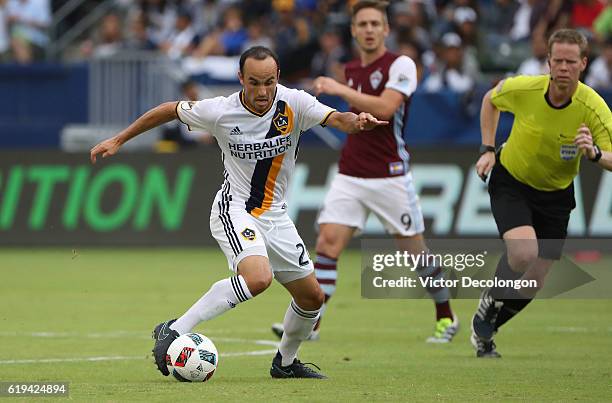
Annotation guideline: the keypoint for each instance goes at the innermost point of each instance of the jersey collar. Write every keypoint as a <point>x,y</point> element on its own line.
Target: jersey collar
<point>565,105</point>
<point>373,62</point>
<point>244,104</point>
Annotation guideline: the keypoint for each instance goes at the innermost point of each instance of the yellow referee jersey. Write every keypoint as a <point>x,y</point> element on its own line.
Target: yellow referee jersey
<point>540,151</point>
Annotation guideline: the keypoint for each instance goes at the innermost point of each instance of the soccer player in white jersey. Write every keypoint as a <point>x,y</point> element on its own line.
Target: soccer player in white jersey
<point>257,130</point>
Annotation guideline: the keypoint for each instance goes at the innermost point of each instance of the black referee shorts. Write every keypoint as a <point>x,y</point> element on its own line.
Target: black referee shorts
<point>515,204</point>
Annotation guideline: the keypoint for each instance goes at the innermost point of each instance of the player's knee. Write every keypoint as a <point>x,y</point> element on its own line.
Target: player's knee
<point>257,274</point>
<point>259,283</point>
<point>328,244</point>
<point>521,260</point>
<point>312,301</point>
<point>318,298</point>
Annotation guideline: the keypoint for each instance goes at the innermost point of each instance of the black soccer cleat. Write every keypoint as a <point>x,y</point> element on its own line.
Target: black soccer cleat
<point>163,336</point>
<point>483,321</point>
<point>484,348</point>
<point>296,370</point>
<point>483,326</point>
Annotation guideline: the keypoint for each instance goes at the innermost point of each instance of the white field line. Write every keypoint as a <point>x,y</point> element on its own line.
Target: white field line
<point>118,358</point>
<point>572,329</point>
<point>126,334</point>
<point>100,335</point>
<point>81,359</point>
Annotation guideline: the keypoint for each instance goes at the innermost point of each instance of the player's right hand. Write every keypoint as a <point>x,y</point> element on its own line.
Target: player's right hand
<point>107,148</point>
<point>367,121</point>
<point>485,165</point>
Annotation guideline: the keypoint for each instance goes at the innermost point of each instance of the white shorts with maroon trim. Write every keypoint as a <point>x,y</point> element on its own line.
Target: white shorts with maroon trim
<point>393,200</point>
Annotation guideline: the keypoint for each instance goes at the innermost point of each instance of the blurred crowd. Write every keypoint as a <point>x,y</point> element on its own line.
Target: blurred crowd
<point>24,29</point>
<point>455,43</point>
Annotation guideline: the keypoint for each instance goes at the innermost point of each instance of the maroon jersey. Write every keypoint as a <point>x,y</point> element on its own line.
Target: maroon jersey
<point>381,152</point>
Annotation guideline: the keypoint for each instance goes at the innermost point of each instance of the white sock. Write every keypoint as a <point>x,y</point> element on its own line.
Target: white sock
<point>221,297</point>
<point>298,324</point>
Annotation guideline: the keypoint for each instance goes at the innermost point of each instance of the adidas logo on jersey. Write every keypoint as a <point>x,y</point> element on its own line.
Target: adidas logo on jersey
<point>235,131</point>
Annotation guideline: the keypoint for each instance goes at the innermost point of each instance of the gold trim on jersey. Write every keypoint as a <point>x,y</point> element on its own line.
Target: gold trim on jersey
<point>178,116</point>
<point>277,163</point>
<point>324,121</point>
<point>263,181</point>
<point>284,121</point>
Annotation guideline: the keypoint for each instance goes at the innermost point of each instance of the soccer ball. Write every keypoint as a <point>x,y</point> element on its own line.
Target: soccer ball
<point>192,357</point>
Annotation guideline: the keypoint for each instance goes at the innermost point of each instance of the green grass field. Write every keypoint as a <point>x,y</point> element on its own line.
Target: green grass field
<point>86,316</point>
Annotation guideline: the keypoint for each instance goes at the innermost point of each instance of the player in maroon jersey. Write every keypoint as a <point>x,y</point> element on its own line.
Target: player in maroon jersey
<point>374,169</point>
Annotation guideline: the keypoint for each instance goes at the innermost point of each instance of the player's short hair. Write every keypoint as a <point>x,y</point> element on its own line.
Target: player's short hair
<point>257,53</point>
<point>377,4</point>
<point>570,36</point>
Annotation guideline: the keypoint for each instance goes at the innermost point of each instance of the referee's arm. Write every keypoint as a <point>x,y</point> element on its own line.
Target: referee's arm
<point>489,119</point>
<point>606,160</point>
<point>584,141</point>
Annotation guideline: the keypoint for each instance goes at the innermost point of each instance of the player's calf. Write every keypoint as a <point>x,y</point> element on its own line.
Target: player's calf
<point>279,329</point>
<point>447,323</point>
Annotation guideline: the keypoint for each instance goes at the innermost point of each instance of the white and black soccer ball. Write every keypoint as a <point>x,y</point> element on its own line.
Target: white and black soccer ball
<point>192,357</point>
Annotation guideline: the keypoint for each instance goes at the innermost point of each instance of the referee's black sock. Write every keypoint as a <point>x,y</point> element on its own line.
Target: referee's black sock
<point>503,272</point>
<point>514,302</point>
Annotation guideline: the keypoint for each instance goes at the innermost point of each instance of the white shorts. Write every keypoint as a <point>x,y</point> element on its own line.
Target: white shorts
<point>393,200</point>
<point>239,235</point>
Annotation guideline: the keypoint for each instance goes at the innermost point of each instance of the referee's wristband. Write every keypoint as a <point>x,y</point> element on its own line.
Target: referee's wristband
<point>485,148</point>
<point>598,153</point>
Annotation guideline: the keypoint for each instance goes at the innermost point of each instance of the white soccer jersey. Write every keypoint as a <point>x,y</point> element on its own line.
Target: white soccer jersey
<point>258,150</point>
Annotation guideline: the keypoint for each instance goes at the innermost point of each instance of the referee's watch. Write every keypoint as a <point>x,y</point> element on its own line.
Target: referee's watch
<point>485,148</point>
<point>597,153</point>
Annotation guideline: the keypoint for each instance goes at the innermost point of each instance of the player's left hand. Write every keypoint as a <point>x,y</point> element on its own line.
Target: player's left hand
<point>366,121</point>
<point>326,85</point>
<point>584,141</point>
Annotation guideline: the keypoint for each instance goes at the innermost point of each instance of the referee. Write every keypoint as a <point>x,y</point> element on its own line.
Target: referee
<point>557,120</point>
